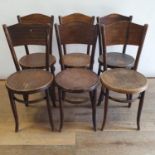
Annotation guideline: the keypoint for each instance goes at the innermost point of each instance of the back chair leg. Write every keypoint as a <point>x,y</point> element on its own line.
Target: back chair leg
<point>53,94</point>
<point>101,97</point>
<point>61,109</point>
<point>105,108</point>
<point>26,99</point>
<point>99,69</point>
<point>140,109</point>
<point>14,110</point>
<point>93,103</point>
<point>129,97</point>
<point>49,109</point>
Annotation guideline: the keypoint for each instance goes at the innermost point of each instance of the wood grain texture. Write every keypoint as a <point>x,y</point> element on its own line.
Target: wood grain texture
<point>124,81</point>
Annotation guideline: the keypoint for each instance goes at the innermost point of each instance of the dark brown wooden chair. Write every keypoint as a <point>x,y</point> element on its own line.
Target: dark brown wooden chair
<point>36,60</point>
<point>123,60</point>
<point>76,17</point>
<point>123,80</point>
<point>71,34</point>
<point>29,81</point>
<point>77,80</point>
<point>125,31</point>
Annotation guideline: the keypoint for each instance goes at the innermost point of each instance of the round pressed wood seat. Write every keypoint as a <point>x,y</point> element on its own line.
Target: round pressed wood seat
<point>36,60</point>
<point>29,81</point>
<point>124,81</point>
<point>115,60</point>
<point>77,80</point>
<point>76,60</point>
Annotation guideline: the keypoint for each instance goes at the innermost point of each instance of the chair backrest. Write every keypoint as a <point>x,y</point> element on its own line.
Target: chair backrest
<point>37,18</point>
<point>77,17</point>
<point>112,18</point>
<point>27,34</point>
<point>123,32</point>
<point>76,33</point>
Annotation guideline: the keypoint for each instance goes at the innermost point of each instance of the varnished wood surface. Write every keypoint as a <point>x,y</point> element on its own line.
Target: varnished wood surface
<point>124,81</point>
<point>36,60</point>
<point>76,34</point>
<point>119,60</point>
<point>29,81</point>
<point>76,60</point>
<point>77,80</point>
<point>76,17</point>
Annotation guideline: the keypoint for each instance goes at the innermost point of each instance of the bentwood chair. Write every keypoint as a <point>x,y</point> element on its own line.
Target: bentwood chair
<point>123,80</point>
<point>28,81</point>
<point>123,60</point>
<point>77,80</point>
<point>36,60</point>
<point>76,59</point>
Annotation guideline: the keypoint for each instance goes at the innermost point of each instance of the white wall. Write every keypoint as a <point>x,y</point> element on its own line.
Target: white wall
<point>142,12</point>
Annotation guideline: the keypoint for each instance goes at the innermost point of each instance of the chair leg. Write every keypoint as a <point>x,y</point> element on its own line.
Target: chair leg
<point>129,97</point>
<point>26,99</point>
<point>140,109</point>
<point>99,69</point>
<point>105,109</point>
<point>53,95</point>
<point>101,97</point>
<point>52,68</point>
<point>61,109</point>
<point>14,110</point>
<point>93,103</point>
<point>49,109</point>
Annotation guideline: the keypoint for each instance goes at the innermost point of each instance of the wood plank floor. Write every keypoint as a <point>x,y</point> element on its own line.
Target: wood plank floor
<point>77,137</point>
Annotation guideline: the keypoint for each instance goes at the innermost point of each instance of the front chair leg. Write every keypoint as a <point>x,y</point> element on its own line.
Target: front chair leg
<point>105,109</point>
<point>49,109</point>
<point>61,109</point>
<point>140,109</point>
<point>14,110</point>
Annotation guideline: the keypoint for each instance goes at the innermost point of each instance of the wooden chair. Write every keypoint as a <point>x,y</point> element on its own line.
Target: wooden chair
<point>29,81</point>
<point>77,80</point>
<point>76,17</point>
<point>36,60</point>
<point>123,60</point>
<point>71,33</point>
<point>123,80</point>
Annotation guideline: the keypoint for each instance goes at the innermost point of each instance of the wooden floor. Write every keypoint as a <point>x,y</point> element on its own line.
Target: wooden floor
<point>120,136</point>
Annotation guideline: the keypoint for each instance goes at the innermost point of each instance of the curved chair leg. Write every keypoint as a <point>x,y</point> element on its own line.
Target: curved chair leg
<point>140,109</point>
<point>14,110</point>
<point>129,97</point>
<point>101,97</point>
<point>49,109</point>
<point>105,109</point>
<point>26,99</point>
<point>61,109</point>
<point>93,103</point>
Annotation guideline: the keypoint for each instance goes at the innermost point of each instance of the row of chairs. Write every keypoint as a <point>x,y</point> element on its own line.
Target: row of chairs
<point>76,74</point>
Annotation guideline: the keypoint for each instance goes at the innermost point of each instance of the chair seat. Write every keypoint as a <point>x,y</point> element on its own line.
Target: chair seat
<point>29,81</point>
<point>76,60</point>
<point>124,81</point>
<point>36,60</point>
<point>118,60</point>
<point>77,80</point>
